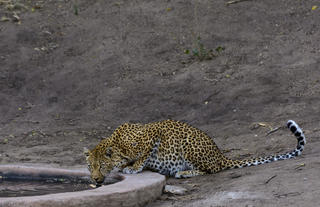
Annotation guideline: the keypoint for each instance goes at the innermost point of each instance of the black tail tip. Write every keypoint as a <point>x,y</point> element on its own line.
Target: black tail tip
<point>290,123</point>
<point>292,126</point>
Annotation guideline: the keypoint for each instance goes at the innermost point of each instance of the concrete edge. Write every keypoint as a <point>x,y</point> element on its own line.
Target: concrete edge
<point>133,190</point>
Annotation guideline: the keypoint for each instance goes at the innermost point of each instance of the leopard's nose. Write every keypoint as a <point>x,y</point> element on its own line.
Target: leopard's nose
<point>97,179</point>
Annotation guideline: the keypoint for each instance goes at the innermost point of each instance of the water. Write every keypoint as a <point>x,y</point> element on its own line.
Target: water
<point>16,188</point>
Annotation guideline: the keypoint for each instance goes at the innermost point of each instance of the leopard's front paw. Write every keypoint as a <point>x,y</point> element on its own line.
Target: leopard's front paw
<point>130,170</point>
<point>188,173</point>
<point>179,175</point>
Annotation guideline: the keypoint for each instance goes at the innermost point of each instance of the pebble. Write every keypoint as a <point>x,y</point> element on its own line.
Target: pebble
<point>176,190</point>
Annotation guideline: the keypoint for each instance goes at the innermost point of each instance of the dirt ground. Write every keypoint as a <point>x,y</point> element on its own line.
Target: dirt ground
<point>72,71</point>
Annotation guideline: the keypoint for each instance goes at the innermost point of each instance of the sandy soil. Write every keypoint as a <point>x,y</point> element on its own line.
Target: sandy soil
<point>72,71</point>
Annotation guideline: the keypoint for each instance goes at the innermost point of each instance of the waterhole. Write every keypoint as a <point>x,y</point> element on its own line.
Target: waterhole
<point>43,186</point>
<point>25,181</point>
<point>18,188</point>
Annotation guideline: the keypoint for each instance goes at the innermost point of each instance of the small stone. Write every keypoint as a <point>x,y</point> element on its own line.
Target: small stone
<point>176,190</point>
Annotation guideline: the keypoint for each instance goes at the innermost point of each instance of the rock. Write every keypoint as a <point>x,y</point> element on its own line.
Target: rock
<point>176,190</point>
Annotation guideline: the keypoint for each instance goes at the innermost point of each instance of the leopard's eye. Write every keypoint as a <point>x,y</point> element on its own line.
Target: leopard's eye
<point>108,152</point>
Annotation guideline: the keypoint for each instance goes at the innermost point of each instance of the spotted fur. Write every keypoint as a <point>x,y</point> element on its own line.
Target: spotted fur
<point>171,148</point>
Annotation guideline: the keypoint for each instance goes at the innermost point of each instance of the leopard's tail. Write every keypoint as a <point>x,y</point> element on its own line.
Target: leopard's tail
<point>295,129</point>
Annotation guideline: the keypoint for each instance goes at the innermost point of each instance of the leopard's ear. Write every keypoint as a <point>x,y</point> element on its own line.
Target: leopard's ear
<point>86,152</point>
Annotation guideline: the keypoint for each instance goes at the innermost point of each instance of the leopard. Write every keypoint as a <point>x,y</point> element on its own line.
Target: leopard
<point>171,148</point>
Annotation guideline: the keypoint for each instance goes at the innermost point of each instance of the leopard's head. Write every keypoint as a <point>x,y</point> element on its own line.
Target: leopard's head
<point>102,161</point>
